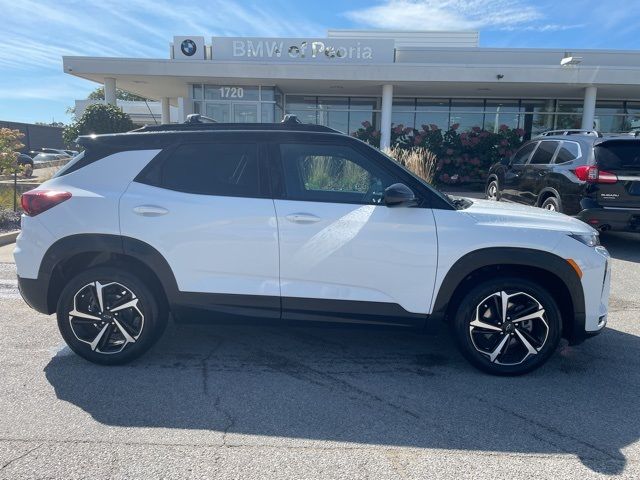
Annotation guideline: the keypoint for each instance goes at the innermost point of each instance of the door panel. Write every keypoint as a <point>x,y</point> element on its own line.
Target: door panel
<point>357,252</point>
<point>341,244</point>
<point>213,244</point>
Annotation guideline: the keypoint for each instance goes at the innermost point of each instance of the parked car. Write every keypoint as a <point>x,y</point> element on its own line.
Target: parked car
<point>295,223</point>
<point>71,153</point>
<point>47,157</point>
<point>586,174</point>
<point>26,162</point>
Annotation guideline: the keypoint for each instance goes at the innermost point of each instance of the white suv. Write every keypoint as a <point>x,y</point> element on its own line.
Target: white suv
<point>292,222</point>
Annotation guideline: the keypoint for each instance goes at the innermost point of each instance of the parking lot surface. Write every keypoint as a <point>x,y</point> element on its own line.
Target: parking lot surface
<point>267,402</point>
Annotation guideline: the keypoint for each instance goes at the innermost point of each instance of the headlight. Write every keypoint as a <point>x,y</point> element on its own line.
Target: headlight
<point>589,239</point>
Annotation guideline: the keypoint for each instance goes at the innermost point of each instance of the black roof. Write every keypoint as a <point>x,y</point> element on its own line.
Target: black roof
<point>208,127</point>
<point>159,136</point>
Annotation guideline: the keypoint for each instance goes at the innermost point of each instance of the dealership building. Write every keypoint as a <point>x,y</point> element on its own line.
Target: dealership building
<point>387,78</point>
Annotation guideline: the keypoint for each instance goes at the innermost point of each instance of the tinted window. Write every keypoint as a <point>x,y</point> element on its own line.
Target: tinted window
<point>544,153</point>
<point>568,152</point>
<point>522,155</point>
<point>618,155</point>
<point>332,173</point>
<point>213,169</point>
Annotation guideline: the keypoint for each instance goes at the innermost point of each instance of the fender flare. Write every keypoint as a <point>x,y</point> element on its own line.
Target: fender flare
<point>72,245</point>
<point>513,257</point>
<point>547,190</point>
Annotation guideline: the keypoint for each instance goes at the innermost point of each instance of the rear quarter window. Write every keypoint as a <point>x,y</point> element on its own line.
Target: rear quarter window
<point>621,155</point>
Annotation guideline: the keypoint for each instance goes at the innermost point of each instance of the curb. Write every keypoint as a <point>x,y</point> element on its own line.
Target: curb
<point>9,237</point>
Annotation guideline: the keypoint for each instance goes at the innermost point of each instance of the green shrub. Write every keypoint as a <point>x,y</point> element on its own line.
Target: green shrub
<point>96,119</point>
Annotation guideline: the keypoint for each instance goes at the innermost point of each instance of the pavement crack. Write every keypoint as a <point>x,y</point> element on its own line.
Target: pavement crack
<point>19,457</point>
<point>553,430</point>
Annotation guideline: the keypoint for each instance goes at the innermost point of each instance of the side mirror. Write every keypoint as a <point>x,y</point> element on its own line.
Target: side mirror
<point>399,195</point>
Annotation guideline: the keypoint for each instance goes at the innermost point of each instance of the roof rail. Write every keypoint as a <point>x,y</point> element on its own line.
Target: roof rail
<point>197,118</point>
<point>195,123</point>
<point>571,131</point>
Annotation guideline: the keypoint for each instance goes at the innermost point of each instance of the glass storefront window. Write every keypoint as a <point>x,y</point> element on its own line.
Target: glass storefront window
<point>569,114</point>
<point>197,92</point>
<point>267,94</point>
<point>432,112</point>
<point>403,112</point>
<point>632,122</point>
<point>362,109</point>
<point>220,112</point>
<point>501,112</point>
<point>467,113</point>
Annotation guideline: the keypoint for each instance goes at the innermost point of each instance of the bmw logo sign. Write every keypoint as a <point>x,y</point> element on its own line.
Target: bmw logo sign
<point>188,47</point>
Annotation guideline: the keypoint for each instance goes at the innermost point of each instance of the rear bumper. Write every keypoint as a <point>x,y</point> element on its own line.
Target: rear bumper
<point>619,219</point>
<point>34,292</point>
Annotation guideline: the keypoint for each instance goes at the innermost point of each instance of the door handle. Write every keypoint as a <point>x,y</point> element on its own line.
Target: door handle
<point>150,210</point>
<point>302,218</point>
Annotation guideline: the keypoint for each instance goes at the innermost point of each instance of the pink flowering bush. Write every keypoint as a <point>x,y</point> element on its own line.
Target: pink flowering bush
<point>462,156</point>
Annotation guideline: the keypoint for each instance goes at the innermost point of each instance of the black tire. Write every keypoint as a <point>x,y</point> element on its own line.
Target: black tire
<point>477,343</point>
<point>492,192</point>
<point>143,322</point>
<point>552,203</point>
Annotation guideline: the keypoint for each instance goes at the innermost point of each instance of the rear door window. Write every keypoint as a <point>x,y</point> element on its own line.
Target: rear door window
<point>544,153</point>
<point>618,155</point>
<point>568,152</point>
<point>225,169</point>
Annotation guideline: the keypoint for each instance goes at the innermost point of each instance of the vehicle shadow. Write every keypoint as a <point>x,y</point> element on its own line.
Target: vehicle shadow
<point>622,246</point>
<point>379,387</point>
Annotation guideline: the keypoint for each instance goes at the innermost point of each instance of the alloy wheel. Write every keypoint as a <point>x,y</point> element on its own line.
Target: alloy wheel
<point>509,328</point>
<point>106,316</point>
<point>492,191</point>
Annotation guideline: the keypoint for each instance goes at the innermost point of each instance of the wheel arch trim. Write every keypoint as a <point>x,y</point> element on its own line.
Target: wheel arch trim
<point>513,257</point>
<point>73,245</point>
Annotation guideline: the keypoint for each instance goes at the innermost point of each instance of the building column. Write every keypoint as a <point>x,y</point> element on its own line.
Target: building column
<point>589,108</point>
<point>385,116</point>
<point>182,114</point>
<point>166,111</point>
<point>110,91</point>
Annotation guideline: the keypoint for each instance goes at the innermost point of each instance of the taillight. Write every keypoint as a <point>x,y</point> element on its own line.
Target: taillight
<point>35,202</point>
<point>591,174</point>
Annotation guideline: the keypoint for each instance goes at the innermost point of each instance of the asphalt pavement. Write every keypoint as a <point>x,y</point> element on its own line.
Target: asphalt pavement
<point>265,402</point>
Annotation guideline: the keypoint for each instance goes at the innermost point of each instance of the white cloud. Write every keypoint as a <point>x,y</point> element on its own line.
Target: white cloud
<point>451,15</point>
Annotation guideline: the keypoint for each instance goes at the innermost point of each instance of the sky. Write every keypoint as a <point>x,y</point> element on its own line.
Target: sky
<point>36,34</point>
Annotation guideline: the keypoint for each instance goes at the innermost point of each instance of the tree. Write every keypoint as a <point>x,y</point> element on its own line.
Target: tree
<point>98,94</point>
<point>9,146</point>
<point>98,118</point>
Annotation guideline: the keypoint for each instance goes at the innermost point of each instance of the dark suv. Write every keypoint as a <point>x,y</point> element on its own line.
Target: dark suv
<point>586,174</point>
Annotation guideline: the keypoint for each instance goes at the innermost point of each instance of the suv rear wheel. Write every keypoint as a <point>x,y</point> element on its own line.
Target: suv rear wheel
<point>109,316</point>
<point>551,203</point>
<point>509,326</point>
<point>493,190</point>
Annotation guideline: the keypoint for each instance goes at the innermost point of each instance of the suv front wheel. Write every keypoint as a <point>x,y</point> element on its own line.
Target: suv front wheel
<point>509,326</point>
<point>109,316</point>
<point>493,190</point>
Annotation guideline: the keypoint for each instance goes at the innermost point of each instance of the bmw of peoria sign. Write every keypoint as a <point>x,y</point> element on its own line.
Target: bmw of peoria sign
<point>334,50</point>
<point>188,48</point>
